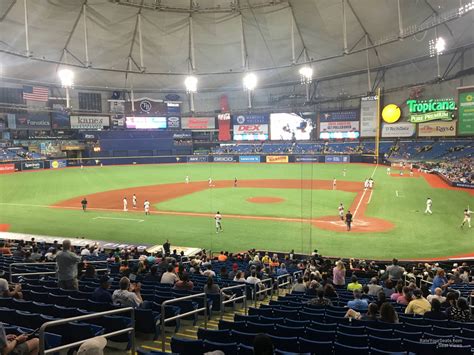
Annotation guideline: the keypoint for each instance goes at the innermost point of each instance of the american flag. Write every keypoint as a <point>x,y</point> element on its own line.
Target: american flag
<point>35,93</point>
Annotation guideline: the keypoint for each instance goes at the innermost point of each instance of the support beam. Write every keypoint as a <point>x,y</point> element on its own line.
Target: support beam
<point>27,37</point>
<point>140,42</point>
<point>298,30</point>
<point>243,46</point>
<point>293,57</point>
<point>8,10</point>
<point>86,43</point>
<point>191,44</point>
<point>437,14</point>
<point>400,20</point>
<point>438,69</point>
<point>369,81</point>
<point>73,29</point>
<point>344,26</point>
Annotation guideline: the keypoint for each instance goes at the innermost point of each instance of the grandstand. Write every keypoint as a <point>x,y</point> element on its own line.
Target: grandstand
<point>236,177</point>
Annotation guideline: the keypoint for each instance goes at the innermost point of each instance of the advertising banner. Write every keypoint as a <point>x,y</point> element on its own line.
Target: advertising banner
<point>145,122</point>
<point>32,165</point>
<point>251,132</point>
<point>33,121</point>
<point>431,109</point>
<point>182,135</point>
<point>146,107</point>
<point>198,159</point>
<point>466,111</point>
<point>250,119</point>
<point>403,129</point>
<point>290,126</point>
<point>59,114</point>
<point>337,159</point>
<point>342,115</point>
<point>368,116</point>
<point>277,158</point>
<point>224,127</point>
<point>249,159</point>
<point>437,129</point>
<point>58,164</point>
<point>173,122</point>
<point>89,122</point>
<point>198,122</point>
<point>224,159</point>
<point>7,168</point>
<point>306,159</point>
<point>339,126</point>
<point>173,108</point>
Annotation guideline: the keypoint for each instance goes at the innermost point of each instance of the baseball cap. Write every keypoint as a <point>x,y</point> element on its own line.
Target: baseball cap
<point>93,346</point>
<point>235,266</point>
<point>105,279</point>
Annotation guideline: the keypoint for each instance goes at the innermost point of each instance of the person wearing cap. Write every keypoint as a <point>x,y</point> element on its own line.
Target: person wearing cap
<point>235,268</point>
<point>17,344</point>
<point>374,287</point>
<point>419,304</point>
<point>93,346</point>
<point>101,293</point>
<point>128,295</point>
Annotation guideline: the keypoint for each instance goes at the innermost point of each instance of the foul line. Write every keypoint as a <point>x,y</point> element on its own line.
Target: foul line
<point>123,219</point>
<point>363,194</point>
<point>396,193</point>
<point>370,197</point>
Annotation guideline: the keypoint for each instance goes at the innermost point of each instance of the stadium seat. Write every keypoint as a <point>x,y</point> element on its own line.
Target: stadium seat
<point>421,348</point>
<point>242,317</point>
<point>6,302</point>
<point>317,347</point>
<point>323,326</point>
<point>382,333</point>
<point>227,348</point>
<point>187,346</point>
<point>414,336</point>
<point>22,305</point>
<point>296,323</point>
<point>352,340</point>
<point>341,349</point>
<point>147,321</point>
<point>375,351</point>
<point>320,335</point>
<point>259,328</point>
<point>445,331</point>
<point>386,344</point>
<point>219,336</point>
<point>285,331</point>
<point>245,349</point>
<point>354,330</point>
<point>284,343</point>
<point>243,338</point>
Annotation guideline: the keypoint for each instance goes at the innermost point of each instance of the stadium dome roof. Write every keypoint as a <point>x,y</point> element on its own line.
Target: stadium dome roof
<point>226,37</point>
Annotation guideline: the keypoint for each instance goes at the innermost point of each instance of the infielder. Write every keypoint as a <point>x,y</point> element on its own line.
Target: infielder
<point>134,201</point>
<point>146,206</point>
<point>467,218</point>
<point>209,181</point>
<point>366,184</point>
<point>429,203</point>
<point>218,219</point>
<point>125,204</point>
<point>343,172</point>
<point>186,179</point>
<point>341,211</point>
<point>371,183</point>
<point>388,170</point>
<point>334,182</point>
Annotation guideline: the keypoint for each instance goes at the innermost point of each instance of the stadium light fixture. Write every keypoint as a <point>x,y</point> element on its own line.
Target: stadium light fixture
<point>250,81</point>
<point>437,46</point>
<point>306,75</point>
<point>191,84</point>
<point>67,78</point>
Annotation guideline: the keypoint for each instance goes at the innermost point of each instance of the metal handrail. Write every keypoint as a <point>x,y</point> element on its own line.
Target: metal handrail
<point>131,329</point>
<point>264,290</point>
<point>286,283</point>
<point>297,273</point>
<point>179,316</point>
<point>243,297</point>
<point>10,267</point>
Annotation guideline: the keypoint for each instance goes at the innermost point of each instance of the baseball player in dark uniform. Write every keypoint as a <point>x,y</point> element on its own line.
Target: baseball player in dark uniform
<point>348,220</point>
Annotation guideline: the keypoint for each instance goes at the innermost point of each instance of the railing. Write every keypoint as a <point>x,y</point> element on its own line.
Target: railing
<point>286,283</point>
<point>10,268</point>
<point>179,316</point>
<point>257,292</point>
<point>130,329</point>
<point>243,297</point>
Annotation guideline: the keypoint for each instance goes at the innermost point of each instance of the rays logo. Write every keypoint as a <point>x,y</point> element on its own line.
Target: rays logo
<point>145,106</point>
<point>240,119</point>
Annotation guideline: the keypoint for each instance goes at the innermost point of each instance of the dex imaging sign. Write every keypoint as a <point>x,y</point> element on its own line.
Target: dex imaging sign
<point>430,110</point>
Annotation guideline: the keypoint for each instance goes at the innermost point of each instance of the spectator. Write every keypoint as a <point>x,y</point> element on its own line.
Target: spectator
<point>209,272</point>
<point>419,305</point>
<point>184,283</point>
<point>320,300</point>
<point>253,279</point>
<point>339,274</point>
<point>398,293</point>
<point>222,257</point>
<point>169,277</point>
<point>128,295</point>
<point>51,254</point>
<point>371,314</point>
<point>394,271</point>
<point>36,255</point>
<point>10,291</point>
<point>67,264</point>
<point>282,270</point>
<point>406,296</point>
<point>440,281</point>
<point>435,312</point>
<point>329,291</point>
<point>460,311</point>
<point>354,285</point>
<point>381,299</point>
<point>262,345</point>
<point>223,274</point>
<point>438,294</point>
<point>388,313</point>
<point>357,303</point>
<point>210,288</point>
<point>17,344</point>
<point>299,286</point>
<point>374,287</point>
<point>101,293</point>
<point>235,269</point>
<point>93,346</point>
<point>239,277</point>
<point>153,275</point>
<point>89,273</point>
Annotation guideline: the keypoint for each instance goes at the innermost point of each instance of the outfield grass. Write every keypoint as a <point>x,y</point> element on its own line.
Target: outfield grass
<point>23,197</point>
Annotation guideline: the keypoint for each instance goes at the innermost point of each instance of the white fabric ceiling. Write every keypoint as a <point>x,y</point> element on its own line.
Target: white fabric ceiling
<point>217,38</point>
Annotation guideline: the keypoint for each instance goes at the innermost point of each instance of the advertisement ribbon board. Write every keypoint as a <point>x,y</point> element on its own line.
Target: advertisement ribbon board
<point>437,129</point>
<point>466,111</point>
<point>277,159</point>
<point>249,159</point>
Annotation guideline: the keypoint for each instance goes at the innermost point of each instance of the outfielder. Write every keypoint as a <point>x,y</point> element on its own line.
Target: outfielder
<point>134,201</point>
<point>467,218</point>
<point>429,203</point>
<point>146,206</point>
<point>209,181</point>
<point>218,219</point>
<point>125,204</point>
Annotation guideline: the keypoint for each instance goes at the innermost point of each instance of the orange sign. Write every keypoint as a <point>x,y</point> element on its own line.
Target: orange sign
<point>277,158</point>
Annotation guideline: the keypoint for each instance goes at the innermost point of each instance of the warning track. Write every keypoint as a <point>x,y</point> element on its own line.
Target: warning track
<point>112,201</point>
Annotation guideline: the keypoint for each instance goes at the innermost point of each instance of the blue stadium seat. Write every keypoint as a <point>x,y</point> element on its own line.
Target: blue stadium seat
<point>386,344</point>
<point>187,346</point>
<point>284,331</point>
<point>323,326</point>
<point>341,349</point>
<point>272,320</point>
<point>382,333</point>
<point>259,328</point>
<point>243,338</point>
<point>44,308</point>
<point>413,336</point>
<point>296,323</point>
<point>445,331</point>
<point>219,336</point>
<point>6,302</point>
<point>227,348</point>
<point>354,330</point>
<point>421,348</point>
<point>147,321</point>
<point>242,317</point>
<point>22,305</point>
<point>352,340</point>
<point>245,349</point>
<point>375,351</point>
<point>320,335</point>
<point>284,343</point>
<point>316,347</point>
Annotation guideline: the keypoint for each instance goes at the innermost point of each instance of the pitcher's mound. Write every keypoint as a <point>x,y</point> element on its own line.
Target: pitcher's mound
<point>264,199</point>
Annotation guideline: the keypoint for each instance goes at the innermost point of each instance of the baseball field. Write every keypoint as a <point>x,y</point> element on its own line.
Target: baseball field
<point>273,207</point>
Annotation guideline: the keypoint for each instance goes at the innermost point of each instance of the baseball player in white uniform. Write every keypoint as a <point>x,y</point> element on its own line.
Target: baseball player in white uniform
<point>134,201</point>
<point>125,204</point>
<point>209,181</point>
<point>371,183</point>
<point>366,184</point>
<point>467,218</point>
<point>334,182</point>
<point>186,179</point>
<point>341,211</point>
<point>429,203</point>
<point>388,170</point>
<point>218,219</point>
<point>146,206</point>
<point>344,172</point>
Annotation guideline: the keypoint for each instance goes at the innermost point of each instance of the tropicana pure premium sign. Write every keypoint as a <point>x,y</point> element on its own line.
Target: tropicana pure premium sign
<point>430,110</point>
